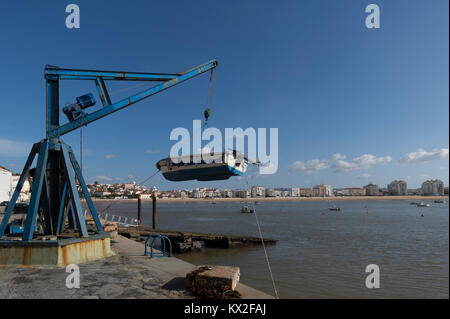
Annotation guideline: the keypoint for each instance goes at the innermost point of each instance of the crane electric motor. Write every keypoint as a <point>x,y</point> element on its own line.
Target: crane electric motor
<point>74,111</point>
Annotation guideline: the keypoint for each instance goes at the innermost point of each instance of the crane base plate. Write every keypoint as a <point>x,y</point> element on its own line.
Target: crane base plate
<point>59,252</point>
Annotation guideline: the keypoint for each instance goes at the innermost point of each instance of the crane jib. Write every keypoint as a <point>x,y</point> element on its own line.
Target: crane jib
<point>168,80</point>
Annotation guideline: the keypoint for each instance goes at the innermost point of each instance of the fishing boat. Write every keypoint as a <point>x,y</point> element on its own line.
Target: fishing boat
<point>335,208</point>
<point>209,167</point>
<point>247,210</point>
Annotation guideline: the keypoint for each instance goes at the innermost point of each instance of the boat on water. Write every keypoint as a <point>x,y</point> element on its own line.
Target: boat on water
<point>334,208</point>
<point>439,201</point>
<point>218,166</point>
<point>247,210</point>
<point>422,204</point>
<point>414,203</point>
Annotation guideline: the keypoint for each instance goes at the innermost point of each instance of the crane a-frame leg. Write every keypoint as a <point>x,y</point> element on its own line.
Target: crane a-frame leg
<point>39,202</point>
<point>65,225</point>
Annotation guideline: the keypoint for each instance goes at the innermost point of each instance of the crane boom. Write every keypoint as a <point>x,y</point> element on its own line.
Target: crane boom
<point>168,80</point>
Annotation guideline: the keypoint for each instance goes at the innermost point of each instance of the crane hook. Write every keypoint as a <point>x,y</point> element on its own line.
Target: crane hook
<point>207,114</point>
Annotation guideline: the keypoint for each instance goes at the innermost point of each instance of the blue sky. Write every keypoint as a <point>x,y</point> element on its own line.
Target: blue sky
<point>310,68</point>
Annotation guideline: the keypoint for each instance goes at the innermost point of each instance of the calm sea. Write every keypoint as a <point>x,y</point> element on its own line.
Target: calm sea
<point>322,253</point>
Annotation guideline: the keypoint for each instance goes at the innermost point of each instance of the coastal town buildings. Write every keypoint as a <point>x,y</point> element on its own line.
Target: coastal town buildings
<point>398,188</point>
<point>240,193</point>
<point>8,182</point>
<point>323,190</point>
<point>307,192</point>
<point>129,186</point>
<point>354,191</point>
<point>294,192</point>
<point>270,192</point>
<point>227,193</point>
<point>372,190</point>
<point>433,187</point>
<point>198,193</point>
<point>258,191</point>
<point>283,192</point>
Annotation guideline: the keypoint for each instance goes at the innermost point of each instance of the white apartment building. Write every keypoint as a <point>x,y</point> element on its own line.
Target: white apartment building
<point>227,193</point>
<point>308,192</point>
<point>433,187</point>
<point>5,183</point>
<point>240,193</point>
<point>258,191</point>
<point>8,183</point>
<point>323,191</point>
<point>198,193</point>
<point>397,188</point>
<point>284,193</point>
<point>212,192</point>
<point>294,192</point>
<point>372,190</point>
<point>270,192</point>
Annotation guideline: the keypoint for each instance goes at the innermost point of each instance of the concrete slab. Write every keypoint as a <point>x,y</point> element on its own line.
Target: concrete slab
<point>127,274</point>
<point>172,270</point>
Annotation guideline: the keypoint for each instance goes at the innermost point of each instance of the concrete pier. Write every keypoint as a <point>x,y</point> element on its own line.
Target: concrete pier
<point>179,238</point>
<point>127,274</point>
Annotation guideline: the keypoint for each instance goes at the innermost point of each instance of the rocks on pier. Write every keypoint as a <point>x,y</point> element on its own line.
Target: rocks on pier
<point>213,281</point>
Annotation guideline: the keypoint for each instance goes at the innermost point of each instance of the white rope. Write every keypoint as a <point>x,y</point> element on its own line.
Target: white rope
<point>264,246</point>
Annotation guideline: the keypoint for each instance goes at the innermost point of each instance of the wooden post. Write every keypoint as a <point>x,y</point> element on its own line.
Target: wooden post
<point>139,209</point>
<point>154,209</point>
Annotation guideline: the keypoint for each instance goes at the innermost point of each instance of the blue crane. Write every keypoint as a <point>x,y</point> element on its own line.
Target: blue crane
<point>54,193</point>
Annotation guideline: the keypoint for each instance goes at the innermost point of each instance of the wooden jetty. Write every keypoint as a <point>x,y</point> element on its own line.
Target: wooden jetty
<point>188,241</point>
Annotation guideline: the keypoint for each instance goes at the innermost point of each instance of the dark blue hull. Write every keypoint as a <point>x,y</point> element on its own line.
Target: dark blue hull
<point>202,174</point>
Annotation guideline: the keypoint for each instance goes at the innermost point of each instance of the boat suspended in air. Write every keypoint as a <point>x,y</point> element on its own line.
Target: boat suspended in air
<point>212,167</point>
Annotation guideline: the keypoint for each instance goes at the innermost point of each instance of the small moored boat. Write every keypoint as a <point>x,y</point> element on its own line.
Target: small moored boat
<point>247,210</point>
<point>335,208</point>
<point>422,204</point>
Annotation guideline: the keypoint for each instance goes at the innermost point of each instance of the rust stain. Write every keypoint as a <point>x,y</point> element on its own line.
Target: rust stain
<point>26,257</point>
<point>65,258</point>
<point>105,250</point>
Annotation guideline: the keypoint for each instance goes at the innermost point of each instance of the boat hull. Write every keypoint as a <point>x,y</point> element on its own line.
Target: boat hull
<point>221,172</point>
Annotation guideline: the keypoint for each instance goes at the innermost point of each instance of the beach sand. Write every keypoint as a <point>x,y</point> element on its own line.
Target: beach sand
<point>282,199</point>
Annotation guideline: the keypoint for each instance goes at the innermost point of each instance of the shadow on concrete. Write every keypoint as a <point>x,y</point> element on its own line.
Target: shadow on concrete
<point>177,283</point>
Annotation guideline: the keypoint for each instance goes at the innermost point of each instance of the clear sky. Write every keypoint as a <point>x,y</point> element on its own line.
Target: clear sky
<point>352,105</point>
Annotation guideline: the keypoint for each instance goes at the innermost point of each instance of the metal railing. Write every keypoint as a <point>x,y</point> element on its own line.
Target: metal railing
<point>120,220</point>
